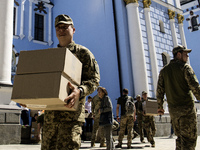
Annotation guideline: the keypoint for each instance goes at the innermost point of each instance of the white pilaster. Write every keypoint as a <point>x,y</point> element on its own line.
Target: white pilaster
<point>137,49</point>
<point>173,30</point>
<point>183,41</point>
<point>152,51</point>
<point>6,37</point>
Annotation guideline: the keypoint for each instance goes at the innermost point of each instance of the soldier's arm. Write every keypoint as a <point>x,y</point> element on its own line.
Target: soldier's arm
<point>92,105</point>
<point>192,81</point>
<point>90,72</point>
<point>117,112</point>
<point>160,92</point>
<point>134,115</point>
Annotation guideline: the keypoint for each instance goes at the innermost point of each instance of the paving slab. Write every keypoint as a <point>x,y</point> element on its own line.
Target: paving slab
<point>161,143</point>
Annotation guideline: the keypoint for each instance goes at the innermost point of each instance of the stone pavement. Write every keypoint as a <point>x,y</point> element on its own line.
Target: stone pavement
<point>162,143</point>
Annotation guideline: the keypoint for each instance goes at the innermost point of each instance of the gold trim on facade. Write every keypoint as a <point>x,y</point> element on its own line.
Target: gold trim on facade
<point>180,18</point>
<point>171,14</point>
<point>146,3</point>
<point>130,1</point>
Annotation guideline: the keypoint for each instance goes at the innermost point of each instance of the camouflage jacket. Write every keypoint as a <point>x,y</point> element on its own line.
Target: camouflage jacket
<point>96,103</point>
<point>89,82</point>
<point>178,81</point>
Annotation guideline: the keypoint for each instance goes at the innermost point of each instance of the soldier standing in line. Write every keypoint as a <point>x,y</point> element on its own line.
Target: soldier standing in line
<point>96,103</point>
<point>127,120</point>
<point>149,123</point>
<point>140,115</point>
<point>62,129</point>
<point>178,81</point>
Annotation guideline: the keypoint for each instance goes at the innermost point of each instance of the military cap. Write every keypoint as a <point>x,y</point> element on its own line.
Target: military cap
<point>144,92</point>
<point>138,96</point>
<point>180,48</point>
<point>63,19</point>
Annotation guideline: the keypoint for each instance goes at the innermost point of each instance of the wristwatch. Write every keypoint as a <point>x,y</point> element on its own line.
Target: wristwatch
<point>81,91</point>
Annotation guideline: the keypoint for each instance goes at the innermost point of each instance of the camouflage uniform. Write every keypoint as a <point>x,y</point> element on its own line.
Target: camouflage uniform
<point>178,81</point>
<point>62,129</point>
<point>147,126</point>
<point>139,113</point>
<point>126,121</point>
<point>96,103</point>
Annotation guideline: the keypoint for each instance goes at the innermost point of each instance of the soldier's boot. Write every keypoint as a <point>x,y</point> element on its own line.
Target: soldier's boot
<point>103,145</point>
<point>118,146</point>
<point>92,144</point>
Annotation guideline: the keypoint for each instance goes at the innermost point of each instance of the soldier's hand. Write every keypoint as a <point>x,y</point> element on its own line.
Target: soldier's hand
<point>161,111</point>
<point>71,99</point>
<point>118,119</point>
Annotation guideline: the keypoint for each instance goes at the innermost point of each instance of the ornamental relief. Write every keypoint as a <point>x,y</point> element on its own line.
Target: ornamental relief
<point>130,1</point>
<point>171,14</point>
<point>146,3</point>
<point>180,18</point>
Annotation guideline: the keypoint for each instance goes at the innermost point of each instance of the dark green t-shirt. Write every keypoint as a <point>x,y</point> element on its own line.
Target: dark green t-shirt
<point>122,102</point>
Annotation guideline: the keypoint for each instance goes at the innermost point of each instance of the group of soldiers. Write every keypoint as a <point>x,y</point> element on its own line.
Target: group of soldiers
<point>126,121</point>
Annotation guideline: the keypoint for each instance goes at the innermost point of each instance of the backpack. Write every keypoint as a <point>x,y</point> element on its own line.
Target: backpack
<point>129,107</point>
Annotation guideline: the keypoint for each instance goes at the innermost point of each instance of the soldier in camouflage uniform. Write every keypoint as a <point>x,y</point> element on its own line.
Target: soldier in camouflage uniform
<point>149,122</point>
<point>62,129</point>
<point>96,103</point>
<point>126,121</point>
<point>178,81</point>
<point>139,113</point>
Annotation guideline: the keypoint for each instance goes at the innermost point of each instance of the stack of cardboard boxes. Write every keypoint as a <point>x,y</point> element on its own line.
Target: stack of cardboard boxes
<point>41,81</point>
<point>151,107</point>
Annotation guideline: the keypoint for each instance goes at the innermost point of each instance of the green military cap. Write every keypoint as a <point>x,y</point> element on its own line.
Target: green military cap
<point>63,19</point>
<point>144,92</point>
<point>180,48</point>
<point>138,96</point>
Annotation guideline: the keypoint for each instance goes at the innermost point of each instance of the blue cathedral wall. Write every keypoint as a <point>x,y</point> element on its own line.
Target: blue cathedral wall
<point>193,39</point>
<point>94,23</point>
<point>101,26</point>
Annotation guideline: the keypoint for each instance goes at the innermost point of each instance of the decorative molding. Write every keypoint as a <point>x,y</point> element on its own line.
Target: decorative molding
<point>171,14</point>
<point>30,21</point>
<point>180,18</point>
<point>130,1</point>
<point>21,35</point>
<point>16,18</point>
<point>39,42</point>
<point>146,3</point>
<point>49,13</point>
<point>178,10</point>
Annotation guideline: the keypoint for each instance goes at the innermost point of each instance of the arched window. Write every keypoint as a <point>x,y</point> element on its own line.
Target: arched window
<point>165,58</point>
<point>161,24</point>
<point>193,22</point>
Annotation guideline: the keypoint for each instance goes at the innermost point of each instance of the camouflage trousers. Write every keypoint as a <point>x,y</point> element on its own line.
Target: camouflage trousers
<point>148,121</point>
<point>95,130</point>
<point>184,121</point>
<point>61,136</point>
<point>129,122</point>
<point>140,125</point>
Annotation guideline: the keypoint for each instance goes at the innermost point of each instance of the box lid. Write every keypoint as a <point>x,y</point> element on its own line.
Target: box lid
<point>50,60</point>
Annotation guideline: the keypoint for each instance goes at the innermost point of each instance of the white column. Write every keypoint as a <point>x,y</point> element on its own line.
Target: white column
<point>173,30</point>
<point>183,41</point>
<point>137,49</point>
<point>152,51</point>
<point>6,37</point>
